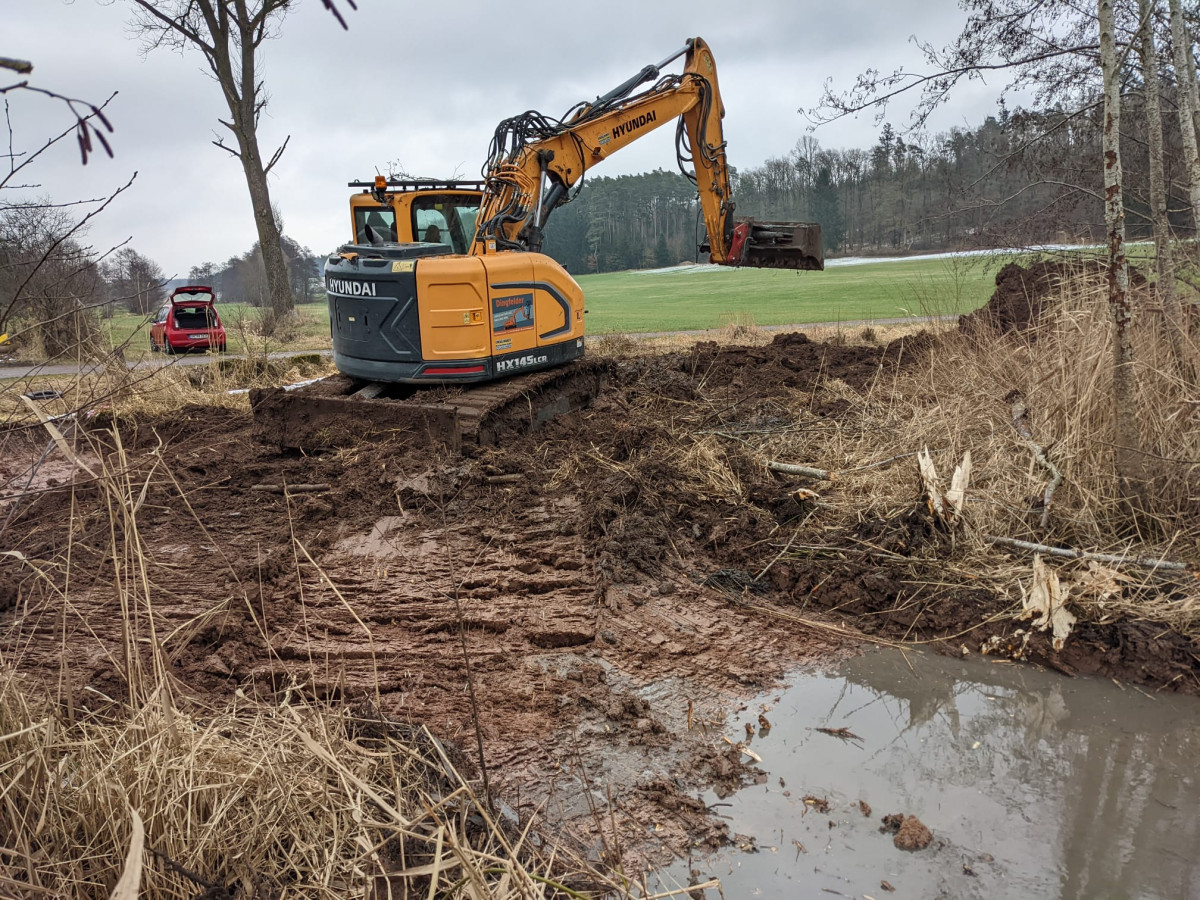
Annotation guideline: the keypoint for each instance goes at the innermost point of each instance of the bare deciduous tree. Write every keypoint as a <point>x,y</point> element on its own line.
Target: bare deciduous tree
<point>228,33</point>
<point>1163,253</point>
<point>136,280</point>
<point>1187,102</point>
<point>49,282</point>
<point>1128,438</point>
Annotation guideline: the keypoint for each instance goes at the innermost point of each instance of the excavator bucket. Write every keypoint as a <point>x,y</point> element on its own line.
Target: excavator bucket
<point>777,245</point>
<point>784,245</point>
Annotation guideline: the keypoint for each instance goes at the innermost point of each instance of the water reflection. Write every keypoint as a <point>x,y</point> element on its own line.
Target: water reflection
<point>1034,785</point>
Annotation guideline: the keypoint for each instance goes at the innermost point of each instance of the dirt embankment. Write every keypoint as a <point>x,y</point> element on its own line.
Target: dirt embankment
<point>1024,293</point>
<point>605,608</point>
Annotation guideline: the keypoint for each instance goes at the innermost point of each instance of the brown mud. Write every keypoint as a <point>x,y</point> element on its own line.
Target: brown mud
<point>612,604</point>
<point>1023,293</point>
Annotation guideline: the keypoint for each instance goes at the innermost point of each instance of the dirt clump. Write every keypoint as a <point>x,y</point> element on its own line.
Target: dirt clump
<point>910,832</point>
<point>1023,293</point>
<point>820,804</point>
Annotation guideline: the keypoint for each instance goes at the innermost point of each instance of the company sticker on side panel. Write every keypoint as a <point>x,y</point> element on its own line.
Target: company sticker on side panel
<point>512,313</point>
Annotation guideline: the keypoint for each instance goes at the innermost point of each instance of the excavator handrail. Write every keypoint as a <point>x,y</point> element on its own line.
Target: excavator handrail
<point>420,184</point>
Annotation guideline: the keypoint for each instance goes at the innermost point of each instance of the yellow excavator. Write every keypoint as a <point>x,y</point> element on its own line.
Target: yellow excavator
<point>471,298</point>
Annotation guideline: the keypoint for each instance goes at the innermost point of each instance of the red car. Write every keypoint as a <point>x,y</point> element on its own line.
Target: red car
<point>189,321</point>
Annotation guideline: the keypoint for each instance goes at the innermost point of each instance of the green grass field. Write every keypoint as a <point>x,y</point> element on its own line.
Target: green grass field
<point>310,331</point>
<point>711,297</point>
<point>691,300</point>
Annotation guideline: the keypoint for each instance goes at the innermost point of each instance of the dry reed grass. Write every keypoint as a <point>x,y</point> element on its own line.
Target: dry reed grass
<point>291,799</point>
<point>955,400</point>
<point>222,382</point>
<point>1063,368</point>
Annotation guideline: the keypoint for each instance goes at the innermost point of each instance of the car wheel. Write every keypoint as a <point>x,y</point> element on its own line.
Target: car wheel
<point>221,349</point>
<point>153,346</point>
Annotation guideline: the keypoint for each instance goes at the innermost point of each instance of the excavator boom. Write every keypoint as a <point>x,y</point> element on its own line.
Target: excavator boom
<point>535,162</point>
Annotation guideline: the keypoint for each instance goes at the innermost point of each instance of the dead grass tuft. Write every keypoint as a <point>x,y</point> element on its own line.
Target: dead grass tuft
<point>252,800</point>
<point>958,399</point>
<point>738,326</point>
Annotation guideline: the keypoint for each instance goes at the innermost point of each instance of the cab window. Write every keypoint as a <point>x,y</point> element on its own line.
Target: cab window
<point>162,315</point>
<point>448,220</point>
<point>380,220</point>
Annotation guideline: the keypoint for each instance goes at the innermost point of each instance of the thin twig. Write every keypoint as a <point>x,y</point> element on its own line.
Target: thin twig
<point>833,474</point>
<point>1020,421</point>
<point>1070,553</point>
<point>789,469</point>
<point>290,488</point>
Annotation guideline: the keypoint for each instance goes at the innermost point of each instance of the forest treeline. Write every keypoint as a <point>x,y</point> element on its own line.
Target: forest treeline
<point>1022,177</point>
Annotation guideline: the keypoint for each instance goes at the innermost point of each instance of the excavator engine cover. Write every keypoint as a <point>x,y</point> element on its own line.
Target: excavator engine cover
<point>373,311</point>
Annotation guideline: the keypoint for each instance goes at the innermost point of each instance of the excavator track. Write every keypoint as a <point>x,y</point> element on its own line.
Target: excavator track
<point>340,411</point>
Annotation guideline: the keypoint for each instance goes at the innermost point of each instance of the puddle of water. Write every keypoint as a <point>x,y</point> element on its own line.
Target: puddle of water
<point>1041,786</point>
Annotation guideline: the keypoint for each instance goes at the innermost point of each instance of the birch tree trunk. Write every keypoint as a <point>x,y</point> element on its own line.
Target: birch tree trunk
<point>1127,438</point>
<point>1164,259</point>
<point>1188,100</point>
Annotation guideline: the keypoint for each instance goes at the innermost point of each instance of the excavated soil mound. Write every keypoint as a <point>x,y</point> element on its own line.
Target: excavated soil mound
<point>1023,294</point>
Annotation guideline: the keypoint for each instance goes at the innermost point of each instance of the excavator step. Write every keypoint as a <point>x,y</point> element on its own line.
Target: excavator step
<point>341,411</point>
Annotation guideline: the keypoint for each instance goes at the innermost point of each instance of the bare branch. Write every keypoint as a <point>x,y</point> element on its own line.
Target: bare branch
<point>220,142</point>
<point>865,94</point>
<point>179,24</point>
<point>278,153</point>
<point>83,111</point>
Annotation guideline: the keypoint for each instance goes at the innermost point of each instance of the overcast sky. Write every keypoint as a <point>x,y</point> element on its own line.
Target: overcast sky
<point>424,84</point>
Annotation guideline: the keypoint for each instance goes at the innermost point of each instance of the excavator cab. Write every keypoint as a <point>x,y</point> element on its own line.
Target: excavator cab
<point>402,212</point>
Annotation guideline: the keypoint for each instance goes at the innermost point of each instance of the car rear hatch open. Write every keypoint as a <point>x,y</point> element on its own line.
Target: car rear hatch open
<point>196,319</point>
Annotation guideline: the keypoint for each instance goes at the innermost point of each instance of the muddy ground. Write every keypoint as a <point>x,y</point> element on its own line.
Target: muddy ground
<point>617,594</point>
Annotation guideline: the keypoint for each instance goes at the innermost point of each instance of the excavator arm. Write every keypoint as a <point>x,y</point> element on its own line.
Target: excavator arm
<point>535,162</point>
